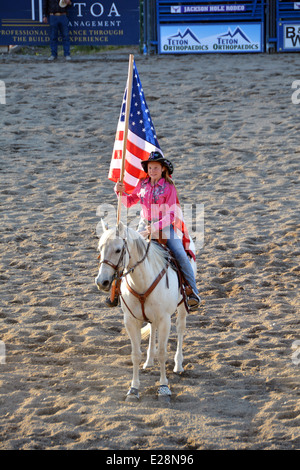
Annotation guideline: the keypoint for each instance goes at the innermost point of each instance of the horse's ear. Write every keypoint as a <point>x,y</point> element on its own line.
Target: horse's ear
<point>120,231</point>
<point>101,228</point>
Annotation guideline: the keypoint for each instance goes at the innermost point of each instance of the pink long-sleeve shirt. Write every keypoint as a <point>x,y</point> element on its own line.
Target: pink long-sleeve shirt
<point>158,202</point>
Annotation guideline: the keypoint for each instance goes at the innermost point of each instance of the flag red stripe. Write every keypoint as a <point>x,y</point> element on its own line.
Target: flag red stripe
<point>117,155</point>
<point>119,135</point>
<point>114,174</point>
<point>134,171</point>
<point>137,151</point>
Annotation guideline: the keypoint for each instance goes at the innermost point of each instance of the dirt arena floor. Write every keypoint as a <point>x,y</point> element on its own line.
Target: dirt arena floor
<point>229,125</point>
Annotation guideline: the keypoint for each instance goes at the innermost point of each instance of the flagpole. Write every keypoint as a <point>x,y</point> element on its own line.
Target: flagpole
<point>127,112</point>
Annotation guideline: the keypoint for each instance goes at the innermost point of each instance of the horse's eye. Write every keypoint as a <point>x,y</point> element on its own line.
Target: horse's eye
<point>118,250</point>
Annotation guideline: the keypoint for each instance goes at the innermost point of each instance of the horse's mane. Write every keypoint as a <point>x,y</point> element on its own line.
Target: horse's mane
<point>157,255</point>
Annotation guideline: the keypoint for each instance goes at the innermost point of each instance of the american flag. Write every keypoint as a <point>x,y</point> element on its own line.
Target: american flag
<point>141,139</point>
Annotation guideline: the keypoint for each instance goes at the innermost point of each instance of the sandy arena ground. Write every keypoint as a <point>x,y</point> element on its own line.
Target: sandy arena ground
<point>229,125</point>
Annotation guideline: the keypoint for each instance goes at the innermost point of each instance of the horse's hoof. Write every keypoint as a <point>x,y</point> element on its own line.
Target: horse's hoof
<point>178,370</point>
<point>164,391</point>
<point>148,364</point>
<point>132,394</point>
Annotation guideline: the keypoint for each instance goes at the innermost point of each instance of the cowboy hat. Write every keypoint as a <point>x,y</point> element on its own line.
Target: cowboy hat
<point>157,157</point>
<point>63,3</point>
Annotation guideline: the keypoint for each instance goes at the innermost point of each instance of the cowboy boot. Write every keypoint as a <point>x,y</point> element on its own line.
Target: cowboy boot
<point>193,300</point>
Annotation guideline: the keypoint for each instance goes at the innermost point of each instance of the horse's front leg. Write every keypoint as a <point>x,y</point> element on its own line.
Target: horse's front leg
<point>133,329</point>
<point>151,348</point>
<point>180,326</point>
<point>163,336</point>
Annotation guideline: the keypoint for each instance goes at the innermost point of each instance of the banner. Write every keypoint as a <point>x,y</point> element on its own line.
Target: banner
<point>219,37</point>
<point>91,23</point>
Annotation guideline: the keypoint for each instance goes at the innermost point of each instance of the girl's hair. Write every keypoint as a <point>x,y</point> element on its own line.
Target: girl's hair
<point>166,175</point>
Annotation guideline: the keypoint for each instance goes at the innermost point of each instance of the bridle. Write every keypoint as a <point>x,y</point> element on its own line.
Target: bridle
<point>112,265</point>
<point>119,274</point>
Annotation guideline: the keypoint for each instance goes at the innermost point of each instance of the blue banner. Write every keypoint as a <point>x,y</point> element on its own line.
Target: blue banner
<point>91,23</point>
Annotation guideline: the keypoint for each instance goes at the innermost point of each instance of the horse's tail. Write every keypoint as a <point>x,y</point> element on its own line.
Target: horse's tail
<point>146,331</point>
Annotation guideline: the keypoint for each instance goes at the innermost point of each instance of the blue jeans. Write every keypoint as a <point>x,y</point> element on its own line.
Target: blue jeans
<point>175,245</point>
<point>59,24</point>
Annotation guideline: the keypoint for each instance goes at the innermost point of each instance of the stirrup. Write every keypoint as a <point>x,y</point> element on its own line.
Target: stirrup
<point>193,301</point>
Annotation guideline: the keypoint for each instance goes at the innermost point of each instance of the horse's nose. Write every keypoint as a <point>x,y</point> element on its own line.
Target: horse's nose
<point>102,285</point>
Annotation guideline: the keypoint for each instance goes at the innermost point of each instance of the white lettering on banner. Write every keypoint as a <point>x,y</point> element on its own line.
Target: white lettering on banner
<point>94,24</point>
<point>79,7</point>
<point>93,9</point>
<point>113,9</point>
<point>208,9</point>
<point>97,9</point>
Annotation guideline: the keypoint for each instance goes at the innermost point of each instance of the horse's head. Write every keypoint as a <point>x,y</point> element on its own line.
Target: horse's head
<point>113,254</point>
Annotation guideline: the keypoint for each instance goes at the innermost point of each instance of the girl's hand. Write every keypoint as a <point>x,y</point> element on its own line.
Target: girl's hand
<point>145,234</point>
<point>120,187</point>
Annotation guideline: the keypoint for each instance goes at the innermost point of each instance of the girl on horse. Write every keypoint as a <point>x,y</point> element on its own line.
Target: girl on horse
<point>158,198</point>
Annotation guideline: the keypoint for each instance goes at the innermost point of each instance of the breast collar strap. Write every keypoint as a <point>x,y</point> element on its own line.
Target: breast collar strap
<point>142,297</point>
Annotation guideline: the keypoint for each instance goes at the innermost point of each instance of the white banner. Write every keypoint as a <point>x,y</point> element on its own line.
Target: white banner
<point>201,38</point>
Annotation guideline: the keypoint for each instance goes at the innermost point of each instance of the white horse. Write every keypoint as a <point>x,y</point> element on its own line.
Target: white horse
<point>149,292</point>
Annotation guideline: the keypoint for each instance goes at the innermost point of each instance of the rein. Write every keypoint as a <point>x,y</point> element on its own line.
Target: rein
<point>137,263</point>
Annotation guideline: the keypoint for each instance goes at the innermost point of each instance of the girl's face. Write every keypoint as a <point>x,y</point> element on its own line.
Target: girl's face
<point>155,170</point>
